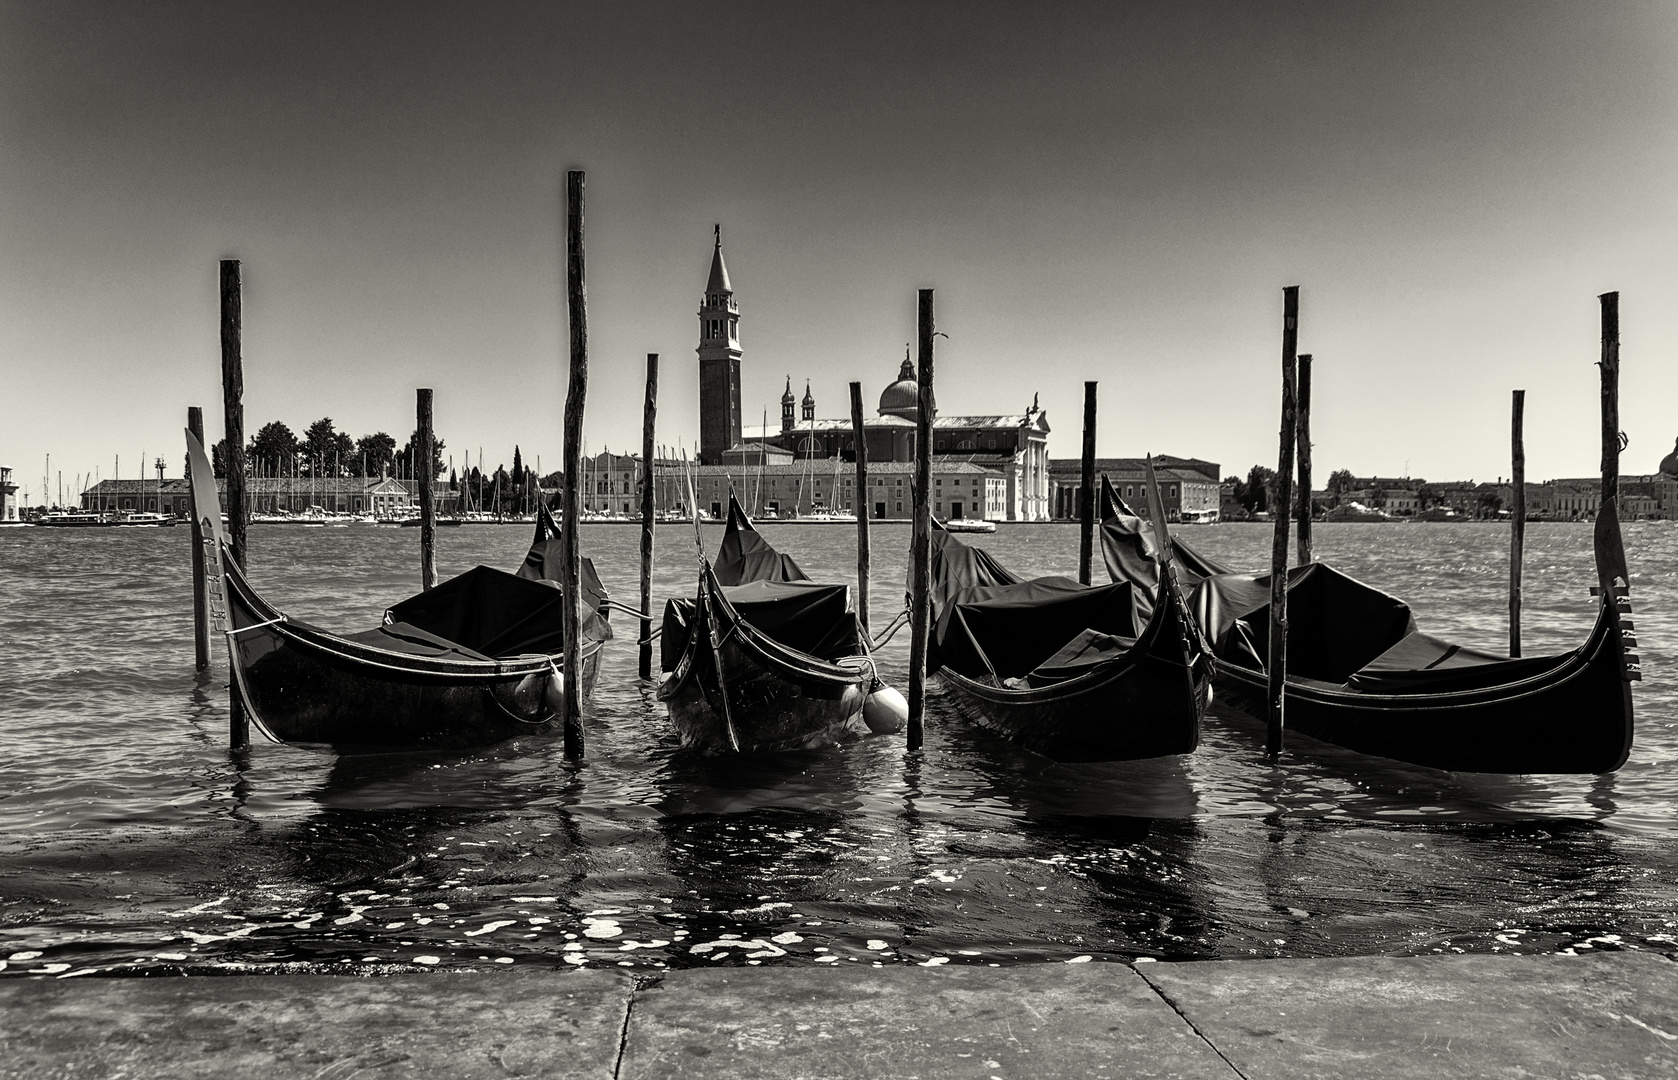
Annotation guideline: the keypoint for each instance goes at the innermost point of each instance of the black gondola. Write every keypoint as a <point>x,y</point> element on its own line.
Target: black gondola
<point>1361,676</point>
<point>762,659</point>
<point>469,663</point>
<point>1073,672</point>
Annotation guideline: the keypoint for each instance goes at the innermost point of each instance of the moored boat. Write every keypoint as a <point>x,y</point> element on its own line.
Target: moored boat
<point>969,525</point>
<point>1074,672</point>
<point>762,658</point>
<point>472,662</point>
<point>1362,676</point>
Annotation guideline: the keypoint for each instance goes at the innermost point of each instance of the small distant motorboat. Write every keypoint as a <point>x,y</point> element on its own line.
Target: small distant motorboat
<point>1074,672</point>
<point>762,658</point>
<point>472,662</point>
<point>969,525</point>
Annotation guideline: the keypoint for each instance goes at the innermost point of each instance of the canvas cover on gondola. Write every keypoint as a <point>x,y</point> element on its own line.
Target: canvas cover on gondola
<point>1336,624</point>
<point>545,558</point>
<point>803,615</point>
<point>1008,631</point>
<point>746,556</point>
<point>957,567</point>
<point>1128,548</point>
<point>493,613</point>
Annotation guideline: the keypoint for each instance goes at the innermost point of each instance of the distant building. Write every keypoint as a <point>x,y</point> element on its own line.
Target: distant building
<point>8,496</point>
<point>1187,485</point>
<point>1014,446</point>
<point>270,495</point>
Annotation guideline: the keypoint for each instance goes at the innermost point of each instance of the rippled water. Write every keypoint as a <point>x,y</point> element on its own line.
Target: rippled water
<point>133,841</point>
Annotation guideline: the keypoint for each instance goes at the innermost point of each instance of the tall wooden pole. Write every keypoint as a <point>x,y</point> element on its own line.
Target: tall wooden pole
<point>1518,534</point>
<point>423,454</point>
<point>920,541</point>
<point>1610,548</point>
<point>859,506</point>
<point>1086,490</point>
<point>233,410</point>
<point>577,307</point>
<point>1304,535</point>
<point>200,596</point>
<point>1277,663</point>
<point>649,416</point>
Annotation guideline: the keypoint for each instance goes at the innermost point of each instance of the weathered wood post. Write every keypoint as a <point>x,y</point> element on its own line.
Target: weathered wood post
<point>920,537</point>
<point>859,506</point>
<point>649,416</point>
<point>1277,663</point>
<point>200,598</point>
<point>1518,531</point>
<point>233,411</point>
<point>423,454</point>
<point>1086,490</point>
<point>575,395</point>
<point>1304,535</point>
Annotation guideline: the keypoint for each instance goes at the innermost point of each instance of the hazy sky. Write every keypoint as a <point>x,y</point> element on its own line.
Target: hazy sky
<point>1107,191</point>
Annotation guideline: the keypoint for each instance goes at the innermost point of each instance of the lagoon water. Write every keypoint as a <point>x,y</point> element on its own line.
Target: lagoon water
<point>133,842</point>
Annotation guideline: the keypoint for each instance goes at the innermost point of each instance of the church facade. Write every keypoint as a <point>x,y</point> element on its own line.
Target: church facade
<point>1012,448</point>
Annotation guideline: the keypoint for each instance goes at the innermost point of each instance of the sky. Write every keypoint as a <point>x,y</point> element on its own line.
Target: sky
<point>1110,192</point>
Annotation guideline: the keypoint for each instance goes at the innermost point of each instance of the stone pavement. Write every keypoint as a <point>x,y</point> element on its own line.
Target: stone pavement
<point>1612,1016</point>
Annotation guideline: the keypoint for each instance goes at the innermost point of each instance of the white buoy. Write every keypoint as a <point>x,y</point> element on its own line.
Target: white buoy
<point>553,694</point>
<point>885,712</point>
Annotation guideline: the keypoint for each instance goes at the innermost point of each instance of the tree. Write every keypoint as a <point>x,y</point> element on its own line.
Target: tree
<point>329,452</point>
<point>1260,491</point>
<point>408,455</point>
<point>275,448</point>
<point>378,449</point>
<point>516,479</point>
<point>1340,481</point>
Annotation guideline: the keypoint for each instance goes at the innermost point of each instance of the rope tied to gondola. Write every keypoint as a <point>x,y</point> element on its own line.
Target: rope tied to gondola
<point>892,628</point>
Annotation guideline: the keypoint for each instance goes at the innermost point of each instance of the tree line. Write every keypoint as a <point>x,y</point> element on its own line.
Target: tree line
<point>325,452</point>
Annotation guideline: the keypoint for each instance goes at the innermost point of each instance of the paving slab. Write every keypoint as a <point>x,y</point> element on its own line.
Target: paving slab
<point>1610,1016</point>
<point>497,1024</point>
<point>1039,1022</point>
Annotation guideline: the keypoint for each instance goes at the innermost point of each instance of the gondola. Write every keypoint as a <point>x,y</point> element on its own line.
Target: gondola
<point>762,658</point>
<point>1361,676</point>
<point>1073,672</point>
<point>472,662</point>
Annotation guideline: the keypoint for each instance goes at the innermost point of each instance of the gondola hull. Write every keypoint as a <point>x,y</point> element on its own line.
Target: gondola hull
<point>1128,711</point>
<point>306,687</point>
<point>1574,718</point>
<point>753,695</point>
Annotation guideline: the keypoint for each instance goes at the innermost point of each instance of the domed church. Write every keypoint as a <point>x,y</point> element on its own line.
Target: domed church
<point>1011,450</point>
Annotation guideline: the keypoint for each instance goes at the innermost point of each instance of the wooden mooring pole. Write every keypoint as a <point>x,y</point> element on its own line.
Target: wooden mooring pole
<point>1303,537</point>
<point>233,411</point>
<point>859,506</point>
<point>1276,666</point>
<point>1086,490</point>
<point>920,537</point>
<point>423,453</point>
<point>200,596</point>
<point>649,417</point>
<point>1518,529</point>
<point>576,393</point>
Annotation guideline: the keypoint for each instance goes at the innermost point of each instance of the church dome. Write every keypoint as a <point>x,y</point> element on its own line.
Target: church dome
<point>809,398</point>
<point>786,397</point>
<point>902,398</point>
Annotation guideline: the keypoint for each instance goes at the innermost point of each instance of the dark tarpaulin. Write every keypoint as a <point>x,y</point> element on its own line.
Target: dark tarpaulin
<point>410,639</point>
<point>746,556</point>
<point>1129,550</point>
<point>494,613</point>
<point>956,566</point>
<point>1420,664</point>
<point>1010,630</point>
<point>545,559</point>
<point>813,619</point>
<point>1336,624</point>
<point>1088,649</point>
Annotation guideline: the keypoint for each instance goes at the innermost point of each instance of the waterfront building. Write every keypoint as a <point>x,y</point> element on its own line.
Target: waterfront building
<point>381,497</point>
<point>1014,446</point>
<point>8,496</point>
<point>1188,486</point>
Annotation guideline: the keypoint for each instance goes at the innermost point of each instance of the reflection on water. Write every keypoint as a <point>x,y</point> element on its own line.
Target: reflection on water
<point>133,841</point>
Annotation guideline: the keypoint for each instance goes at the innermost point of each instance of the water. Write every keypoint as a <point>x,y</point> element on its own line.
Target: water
<point>133,842</point>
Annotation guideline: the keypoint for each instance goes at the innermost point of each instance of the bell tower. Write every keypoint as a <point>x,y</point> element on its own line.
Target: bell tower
<point>719,363</point>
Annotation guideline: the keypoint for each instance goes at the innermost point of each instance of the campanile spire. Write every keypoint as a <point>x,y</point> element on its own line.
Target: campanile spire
<point>719,361</point>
